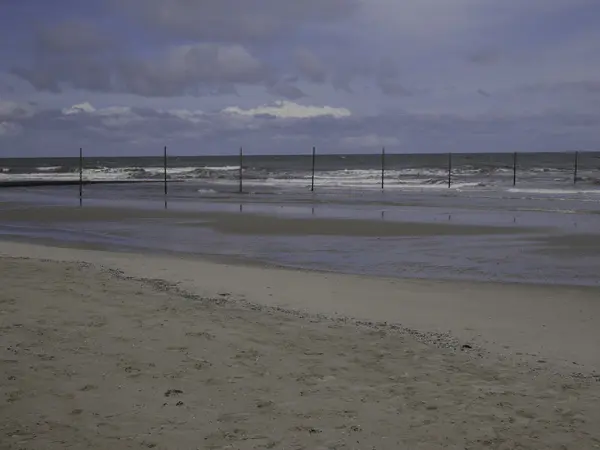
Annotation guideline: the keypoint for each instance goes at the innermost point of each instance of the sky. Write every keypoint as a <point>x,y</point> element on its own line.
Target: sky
<point>127,77</point>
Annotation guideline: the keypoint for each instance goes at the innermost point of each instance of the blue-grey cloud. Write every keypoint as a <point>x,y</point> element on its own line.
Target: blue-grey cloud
<point>234,20</point>
<point>427,74</point>
<point>485,56</point>
<point>283,127</point>
<point>310,66</point>
<point>286,90</point>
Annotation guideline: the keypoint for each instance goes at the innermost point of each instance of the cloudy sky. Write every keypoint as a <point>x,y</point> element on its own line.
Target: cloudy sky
<point>278,76</point>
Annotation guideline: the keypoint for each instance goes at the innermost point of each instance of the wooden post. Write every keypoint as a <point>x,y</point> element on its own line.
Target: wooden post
<point>312,183</point>
<point>165,171</point>
<point>576,168</point>
<point>449,169</point>
<point>382,168</point>
<point>241,172</point>
<point>514,168</point>
<point>80,176</point>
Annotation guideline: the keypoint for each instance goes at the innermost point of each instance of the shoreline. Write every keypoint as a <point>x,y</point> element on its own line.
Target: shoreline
<point>250,262</point>
<point>541,325</point>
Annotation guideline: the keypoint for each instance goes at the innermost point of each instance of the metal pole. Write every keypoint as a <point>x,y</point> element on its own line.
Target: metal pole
<point>382,168</point>
<point>514,168</point>
<point>241,177</point>
<point>312,183</point>
<point>576,168</point>
<point>165,170</point>
<point>449,169</point>
<point>80,176</point>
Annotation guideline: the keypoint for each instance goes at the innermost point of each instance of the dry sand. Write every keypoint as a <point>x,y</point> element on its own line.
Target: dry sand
<point>93,356</point>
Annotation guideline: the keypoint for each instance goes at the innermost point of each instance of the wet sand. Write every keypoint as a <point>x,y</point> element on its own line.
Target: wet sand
<point>104,350</point>
<point>571,245</point>
<point>253,224</point>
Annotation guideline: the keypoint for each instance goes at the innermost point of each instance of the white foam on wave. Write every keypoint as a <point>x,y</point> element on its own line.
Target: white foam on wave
<point>109,173</point>
<point>550,210</point>
<point>375,174</point>
<point>207,192</point>
<point>554,191</point>
<point>35,176</point>
<point>410,179</point>
<point>404,175</point>
<point>360,179</point>
<point>547,170</point>
<point>48,169</point>
<point>102,174</point>
<point>183,170</point>
<point>160,170</point>
<point>223,168</point>
<point>106,174</point>
<point>369,183</point>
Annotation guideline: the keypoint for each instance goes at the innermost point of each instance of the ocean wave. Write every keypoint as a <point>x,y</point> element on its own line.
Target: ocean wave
<point>411,178</point>
<point>49,169</point>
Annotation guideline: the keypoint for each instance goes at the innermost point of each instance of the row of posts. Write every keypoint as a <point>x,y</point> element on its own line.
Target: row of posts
<point>314,160</point>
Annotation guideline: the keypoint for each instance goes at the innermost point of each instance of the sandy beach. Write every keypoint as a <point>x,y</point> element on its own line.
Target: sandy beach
<point>116,350</point>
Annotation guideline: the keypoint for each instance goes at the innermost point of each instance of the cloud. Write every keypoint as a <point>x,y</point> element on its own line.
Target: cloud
<point>41,79</point>
<point>109,118</point>
<point>309,66</point>
<point>573,87</point>
<point>388,79</point>
<point>289,110</point>
<point>485,56</point>
<point>197,69</point>
<point>341,82</point>
<point>79,109</point>
<point>427,65</point>
<point>119,116</point>
<point>284,127</point>
<point>192,69</point>
<point>286,90</point>
<point>10,110</point>
<point>72,52</point>
<point>227,43</point>
<point>430,20</point>
<point>186,114</point>
<point>225,89</point>
<point>9,129</point>
<point>370,141</point>
<point>72,37</point>
<point>235,20</point>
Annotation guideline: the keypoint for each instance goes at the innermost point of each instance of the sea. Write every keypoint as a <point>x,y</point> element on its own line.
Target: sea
<point>400,171</point>
<point>555,194</point>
